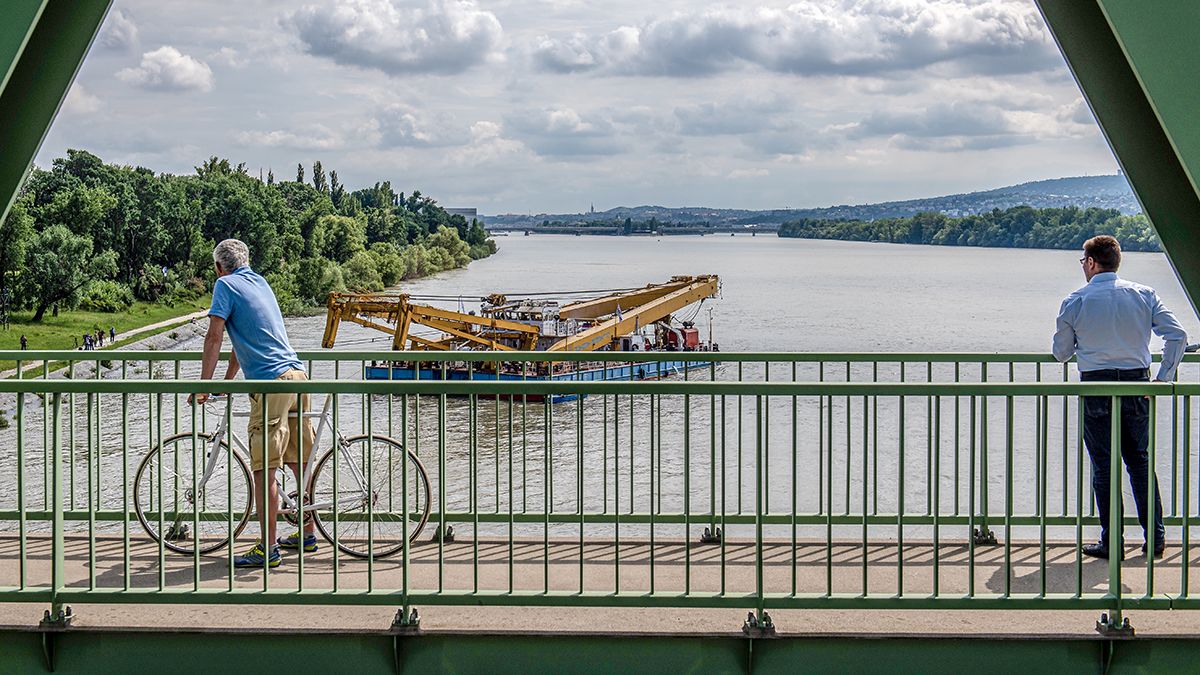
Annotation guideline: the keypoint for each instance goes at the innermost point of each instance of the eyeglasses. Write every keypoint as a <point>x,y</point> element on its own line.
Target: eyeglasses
<point>1083,260</point>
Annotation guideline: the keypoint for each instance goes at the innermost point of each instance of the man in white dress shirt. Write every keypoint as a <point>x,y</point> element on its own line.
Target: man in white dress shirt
<point>1107,325</point>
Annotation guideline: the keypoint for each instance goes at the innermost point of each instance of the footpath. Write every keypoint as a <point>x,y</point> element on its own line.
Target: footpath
<point>125,336</point>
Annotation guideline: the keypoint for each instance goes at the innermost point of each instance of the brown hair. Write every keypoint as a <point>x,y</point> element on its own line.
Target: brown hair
<point>1105,250</point>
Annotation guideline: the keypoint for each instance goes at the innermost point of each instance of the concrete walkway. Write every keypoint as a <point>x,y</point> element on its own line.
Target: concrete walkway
<point>491,567</point>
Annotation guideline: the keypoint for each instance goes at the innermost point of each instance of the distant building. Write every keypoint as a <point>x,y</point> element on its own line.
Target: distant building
<point>469,214</point>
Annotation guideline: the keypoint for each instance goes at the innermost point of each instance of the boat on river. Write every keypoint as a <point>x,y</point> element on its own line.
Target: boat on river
<point>632,320</point>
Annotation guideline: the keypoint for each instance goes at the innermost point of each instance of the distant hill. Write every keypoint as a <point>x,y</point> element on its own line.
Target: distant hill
<point>1109,192</point>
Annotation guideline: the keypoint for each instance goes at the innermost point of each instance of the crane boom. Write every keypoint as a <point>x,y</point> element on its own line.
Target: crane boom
<point>606,305</point>
<point>600,336</point>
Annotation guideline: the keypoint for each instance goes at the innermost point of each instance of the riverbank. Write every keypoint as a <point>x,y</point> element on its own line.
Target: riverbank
<point>64,331</point>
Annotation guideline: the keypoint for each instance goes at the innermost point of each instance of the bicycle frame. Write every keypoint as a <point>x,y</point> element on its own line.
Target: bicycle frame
<point>288,505</point>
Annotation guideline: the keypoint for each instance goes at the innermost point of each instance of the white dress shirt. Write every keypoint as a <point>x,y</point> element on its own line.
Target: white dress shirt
<point>1107,324</point>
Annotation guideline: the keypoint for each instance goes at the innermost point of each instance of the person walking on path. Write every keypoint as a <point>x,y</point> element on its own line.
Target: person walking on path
<point>24,343</point>
<point>244,303</point>
<point>1107,326</point>
<point>112,333</point>
<point>75,339</point>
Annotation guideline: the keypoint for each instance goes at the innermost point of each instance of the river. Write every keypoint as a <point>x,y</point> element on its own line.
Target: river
<point>776,295</point>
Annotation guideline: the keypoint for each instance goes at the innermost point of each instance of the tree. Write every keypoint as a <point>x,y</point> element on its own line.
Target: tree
<point>270,177</point>
<point>336,191</point>
<point>319,181</point>
<point>341,238</point>
<point>15,232</point>
<point>299,173</point>
<point>58,264</point>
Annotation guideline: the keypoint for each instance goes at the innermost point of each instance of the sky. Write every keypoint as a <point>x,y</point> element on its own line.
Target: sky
<point>548,106</point>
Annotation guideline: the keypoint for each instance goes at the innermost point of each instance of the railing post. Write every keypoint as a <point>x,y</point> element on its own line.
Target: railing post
<point>57,616</point>
<point>1112,623</point>
<point>758,622</point>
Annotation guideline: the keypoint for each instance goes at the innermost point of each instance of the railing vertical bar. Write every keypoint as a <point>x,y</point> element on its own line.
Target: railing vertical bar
<point>828,506</point>
<point>1079,491</point>
<point>929,443</point>
<point>22,534</point>
<point>58,541</point>
<point>617,493</point>
<point>971,499</point>
<point>1116,515</point>
<point>511,501</point>
<point>795,486</point>
<point>547,483</point>
<point>760,597</point>
<point>1043,488</point>
<point>849,457</point>
<point>654,473</point>
<point>957,442</point>
<point>900,435</point>
<point>579,499</point>
<point>865,543</point>
<point>1008,492</point>
<point>937,493</point>
<point>1151,502</point>
<point>1186,539</point>
<point>441,539</point>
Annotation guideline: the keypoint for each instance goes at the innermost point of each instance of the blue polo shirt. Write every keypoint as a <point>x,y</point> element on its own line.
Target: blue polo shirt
<point>255,324</point>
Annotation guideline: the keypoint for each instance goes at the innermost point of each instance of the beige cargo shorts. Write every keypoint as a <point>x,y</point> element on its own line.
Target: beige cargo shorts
<point>280,437</point>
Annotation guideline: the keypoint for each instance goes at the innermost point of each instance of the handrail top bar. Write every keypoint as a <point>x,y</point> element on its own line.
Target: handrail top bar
<point>32,356</point>
<point>543,387</point>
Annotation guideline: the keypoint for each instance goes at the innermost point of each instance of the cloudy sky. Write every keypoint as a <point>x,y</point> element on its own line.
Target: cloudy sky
<point>553,105</point>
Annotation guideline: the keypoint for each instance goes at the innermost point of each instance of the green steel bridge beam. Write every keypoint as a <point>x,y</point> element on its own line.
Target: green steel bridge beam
<point>1135,62</point>
<point>42,44</point>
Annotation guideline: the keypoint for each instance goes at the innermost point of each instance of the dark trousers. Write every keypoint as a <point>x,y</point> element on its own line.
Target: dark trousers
<point>1135,435</point>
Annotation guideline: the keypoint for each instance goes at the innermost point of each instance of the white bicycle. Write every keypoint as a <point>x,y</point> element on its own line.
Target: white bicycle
<point>355,492</point>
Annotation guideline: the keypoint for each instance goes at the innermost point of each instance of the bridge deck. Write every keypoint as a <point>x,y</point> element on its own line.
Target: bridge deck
<point>670,566</point>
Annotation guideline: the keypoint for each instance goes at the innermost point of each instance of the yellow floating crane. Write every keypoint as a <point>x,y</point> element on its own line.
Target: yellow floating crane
<point>527,325</point>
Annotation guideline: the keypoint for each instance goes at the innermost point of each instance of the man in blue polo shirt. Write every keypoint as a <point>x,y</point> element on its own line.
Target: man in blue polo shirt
<point>244,304</point>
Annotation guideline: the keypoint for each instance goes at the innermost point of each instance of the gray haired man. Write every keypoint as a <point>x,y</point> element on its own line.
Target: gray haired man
<point>244,303</point>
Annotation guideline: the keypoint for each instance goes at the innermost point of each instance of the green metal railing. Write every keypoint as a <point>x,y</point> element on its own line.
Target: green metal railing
<point>757,481</point>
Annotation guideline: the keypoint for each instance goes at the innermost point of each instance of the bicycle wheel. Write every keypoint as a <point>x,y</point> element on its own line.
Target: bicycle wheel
<point>169,499</point>
<point>370,514</point>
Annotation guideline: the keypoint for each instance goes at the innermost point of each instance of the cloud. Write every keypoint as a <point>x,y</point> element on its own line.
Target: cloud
<point>846,37</point>
<point>314,137</point>
<point>400,125</point>
<point>167,69</point>
<point>944,127</point>
<point>444,37</point>
<point>80,101</point>
<point>228,56</point>
<point>120,33</point>
<point>563,132</point>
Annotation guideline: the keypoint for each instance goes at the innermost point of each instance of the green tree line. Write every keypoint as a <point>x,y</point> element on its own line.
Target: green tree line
<point>88,234</point>
<point>1017,227</point>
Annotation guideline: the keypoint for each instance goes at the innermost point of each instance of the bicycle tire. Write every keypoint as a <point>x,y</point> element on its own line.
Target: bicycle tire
<point>149,523</point>
<point>378,549</point>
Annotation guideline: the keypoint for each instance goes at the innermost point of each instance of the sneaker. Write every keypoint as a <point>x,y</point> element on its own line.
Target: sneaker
<point>292,542</point>
<point>255,556</point>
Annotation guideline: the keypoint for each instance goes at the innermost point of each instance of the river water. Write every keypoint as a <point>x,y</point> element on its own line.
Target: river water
<point>776,295</point>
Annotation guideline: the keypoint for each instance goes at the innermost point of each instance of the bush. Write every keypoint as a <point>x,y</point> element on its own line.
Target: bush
<point>106,296</point>
<point>284,286</point>
<point>361,275</point>
<point>316,278</point>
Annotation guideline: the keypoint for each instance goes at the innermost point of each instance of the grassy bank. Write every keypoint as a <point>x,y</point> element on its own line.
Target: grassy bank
<point>56,332</point>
